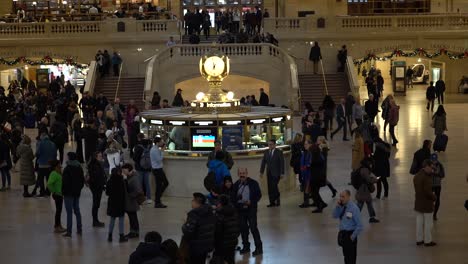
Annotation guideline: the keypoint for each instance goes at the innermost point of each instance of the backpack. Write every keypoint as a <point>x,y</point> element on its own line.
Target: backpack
<point>356,179</point>
<point>210,181</point>
<point>145,159</point>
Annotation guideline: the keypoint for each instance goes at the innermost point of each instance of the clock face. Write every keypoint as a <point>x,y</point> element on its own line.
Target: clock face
<point>214,66</point>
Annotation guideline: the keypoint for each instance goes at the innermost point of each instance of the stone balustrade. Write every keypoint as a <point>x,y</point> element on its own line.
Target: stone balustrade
<point>365,23</point>
<point>97,29</point>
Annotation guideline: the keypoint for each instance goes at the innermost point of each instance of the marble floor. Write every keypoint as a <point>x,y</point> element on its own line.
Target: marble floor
<point>290,234</point>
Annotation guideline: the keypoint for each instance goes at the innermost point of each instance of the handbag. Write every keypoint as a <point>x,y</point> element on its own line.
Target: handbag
<point>342,234</point>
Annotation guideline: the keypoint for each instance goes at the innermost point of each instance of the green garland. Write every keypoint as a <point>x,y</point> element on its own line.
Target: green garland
<point>417,52</point>
<point>46,60</point>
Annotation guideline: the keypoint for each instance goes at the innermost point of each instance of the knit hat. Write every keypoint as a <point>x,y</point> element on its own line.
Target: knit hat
<point>108,133</point>
<point>434,157</point>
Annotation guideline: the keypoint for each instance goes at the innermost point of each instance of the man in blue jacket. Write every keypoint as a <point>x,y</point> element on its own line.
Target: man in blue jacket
<point>45,152</point>
<point>248,194</point>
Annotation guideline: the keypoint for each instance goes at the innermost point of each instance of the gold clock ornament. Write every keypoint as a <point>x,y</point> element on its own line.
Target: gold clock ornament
<point>214,68</point>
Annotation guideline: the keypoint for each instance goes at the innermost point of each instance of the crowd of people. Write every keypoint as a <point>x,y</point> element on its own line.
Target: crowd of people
<point>230,208</point>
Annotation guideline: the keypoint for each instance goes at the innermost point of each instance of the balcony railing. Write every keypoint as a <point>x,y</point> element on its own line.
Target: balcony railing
<point>97,29</point>
<point>448,22</point>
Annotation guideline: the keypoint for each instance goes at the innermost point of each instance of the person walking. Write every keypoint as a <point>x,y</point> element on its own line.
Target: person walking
<point>59,135</point>
<point>157,156</point>
<point>227,231</point>
<point>424,204</point>
<point>73,182</point>
<point>439,91</point>
<point>305,173</point>
<point>358,115</point>
<point>134,192</point>
<point>297,147</point>
<point>248,194</point>
<point>115,190</point>
<point>349,103</point>
<point>142,161</point>
<point>350,226</point>
<point>430,96</point>
<point>419,156</point>
<point>324,149</point>
<point>25,156</point>
<point>382,166</point>
<point>438,175</point>
<point>116,61</point>
<point>97,182</point>
<point>363,193</point>
<point>358,153</point>
<point>45,152</point>
<point>328,106</point>
<point>55,186</point>
<point>371,107</point>
<point>439,121</point>
<point>199,230</point>
<point>393,118</point>
<point>409,76</point>
<point>273,162</point>
<point>386,110</point>
<point>5,162</point>
<point>315,56</point>
<point>341,120</point>
<point>317,178</point>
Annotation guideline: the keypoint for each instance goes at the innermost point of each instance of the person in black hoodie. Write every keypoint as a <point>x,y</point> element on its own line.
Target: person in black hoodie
<point>97,183</point>
<point>72,183</point>
<point>148,251</point>
<point>419,156</point>
<point>226,233</point>
<point>199,230</point>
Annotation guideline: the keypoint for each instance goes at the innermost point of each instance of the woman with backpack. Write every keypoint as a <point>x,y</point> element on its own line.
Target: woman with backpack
<point>366,187</point>
<point>96,181</point>
<point>382,166</point>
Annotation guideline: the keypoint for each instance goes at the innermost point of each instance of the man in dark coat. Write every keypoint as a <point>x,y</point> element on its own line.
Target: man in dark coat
<point>371,107</point>
<point>273,162</point>
<point>149,251</point>
<point>419,156</point>
<point>350,101</point>
<point>430,96</point>
<point>264,99</point>
<point>341,120</point>
<point>199,230</point>
<point>72,183</point>
<point>382,166</point>
<point>439,91</point>
<point>59,135</point>
<point>315,56</point>
<point>248,194</point>
<point>90,135</point>
<point>424,204</point>
<point>227,231</point>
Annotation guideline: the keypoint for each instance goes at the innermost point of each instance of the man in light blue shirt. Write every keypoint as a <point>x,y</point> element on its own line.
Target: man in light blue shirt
<point>157,155</point>
<point>350,226</point>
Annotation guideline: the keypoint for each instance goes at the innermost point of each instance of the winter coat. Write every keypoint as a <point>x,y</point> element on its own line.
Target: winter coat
<point>358,153</point>
<point>72,179</point>
<point>227,158</point>
<point>45,152</point>
<point>90,136</point>
<point>133,187</point>
<point>438,175</point>
<point>385,108</point>
<point>381,159</point>
<point>220,169</point>
<point>363,194</point>
<point>304,176</point>
<point>424,197</point>
<point>145,253</point>
<point>199,229</point>
<point>5,156</point>
<point>317,170</point>
<point>115,189</point>
<point>26,165</point>
<point>227,229</point>
<point>59,133</point>
<point>418,158</point>
<point>440,124</point>
<point>97,175</point>
<point>315,54</point>
<point>394,115</point>
<point>430,93</point>
<point>296,153</point>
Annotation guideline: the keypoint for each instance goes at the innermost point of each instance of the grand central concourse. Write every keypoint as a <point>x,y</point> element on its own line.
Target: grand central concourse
<point>234,131</point>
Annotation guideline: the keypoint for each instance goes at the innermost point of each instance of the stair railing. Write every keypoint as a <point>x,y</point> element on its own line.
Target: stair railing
<point>323,76</point>
<point>118,82</point>
<point>353,78</point>
<point>91,77</point>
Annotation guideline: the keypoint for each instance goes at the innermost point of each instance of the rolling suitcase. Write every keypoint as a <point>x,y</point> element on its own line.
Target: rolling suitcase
<point>440,142</point>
